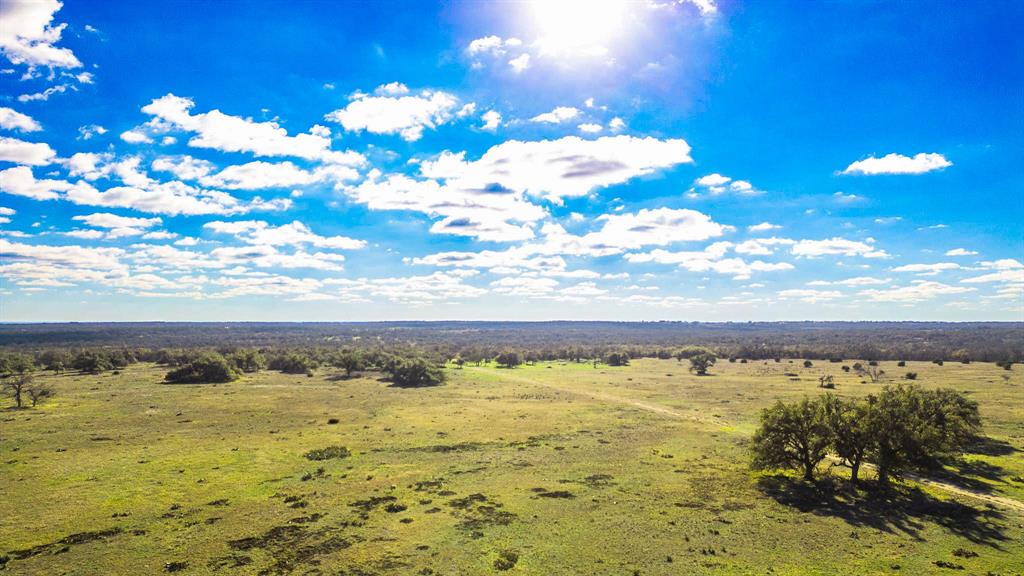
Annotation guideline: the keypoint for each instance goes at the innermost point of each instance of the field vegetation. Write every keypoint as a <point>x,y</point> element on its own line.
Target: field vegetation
<point>395,460</point>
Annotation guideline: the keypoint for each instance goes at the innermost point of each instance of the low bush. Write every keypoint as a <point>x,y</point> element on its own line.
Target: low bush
<point>208,368</point>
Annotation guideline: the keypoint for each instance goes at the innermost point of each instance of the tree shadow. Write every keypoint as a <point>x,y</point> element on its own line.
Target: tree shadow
<point>986,446</point>
<point>897,510</point>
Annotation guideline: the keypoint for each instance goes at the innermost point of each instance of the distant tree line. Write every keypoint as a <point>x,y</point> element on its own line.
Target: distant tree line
<point>572,341</point>
<point>900,429</point>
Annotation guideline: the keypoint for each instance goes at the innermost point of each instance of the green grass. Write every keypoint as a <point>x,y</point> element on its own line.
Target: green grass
<point>549,469</point>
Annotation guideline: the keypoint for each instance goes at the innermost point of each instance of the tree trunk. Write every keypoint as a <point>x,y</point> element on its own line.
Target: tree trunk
<point>808,471</point>
<point>883,476</point>
<point>854,470</point>
<point>17,397</point>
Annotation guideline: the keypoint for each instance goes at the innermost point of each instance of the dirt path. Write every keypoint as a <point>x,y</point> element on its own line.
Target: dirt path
<point>951,488</point>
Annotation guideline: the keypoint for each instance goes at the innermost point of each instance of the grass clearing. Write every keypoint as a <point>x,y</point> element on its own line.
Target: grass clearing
<point>556,468</point>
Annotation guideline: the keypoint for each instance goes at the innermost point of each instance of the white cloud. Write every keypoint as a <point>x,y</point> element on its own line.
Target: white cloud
<point>927,269</point>
<point>524,286</point>
<point>11,119</point>
<point>136,136</point>
<point>28,36</point>
<point>107,220</point>
<point>492,119</point>
<point>171,198</point>
<point>5,211</point>
<point>567,167</point>
<point>960,252</point>
<point>888,220</point>
<point>392,89</point>
<point>257,175</point>
<point>21,152</point>
<point>810,296</point>
<point>405,115</point>
<point>716,184</point>
<point>490,230</point>
<point>899,164</point>
<point>519,63</point>
<point>710,259</point>
<point>492,45</point>
<point>557,116</point>
<point>184,167</point>
<point>919,291</point>
<point>20,181</point>
<point>763,227</point>
<point>836,247</point>
<point>590,128</point>
<point>294,234</point>
<point>88,131</point>
<point>762,246</point>
<point>846,198</point>
<point>219,131</point>
<point>652,227</point>
<point>617,124</point>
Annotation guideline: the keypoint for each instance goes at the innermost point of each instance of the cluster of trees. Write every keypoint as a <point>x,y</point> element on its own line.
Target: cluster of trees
<point>901,428</point>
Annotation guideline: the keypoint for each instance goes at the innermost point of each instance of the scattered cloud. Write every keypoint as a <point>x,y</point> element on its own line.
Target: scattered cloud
<point>899,164</point>
<point>919,291</point>
<point>837,247</point>
<point>960,252</point>
<point>405,115</point>
<point>557,116</point>
<point>763,227</point>
<point>21,152</point>
<point>11,119</point>
<point>29,37</point>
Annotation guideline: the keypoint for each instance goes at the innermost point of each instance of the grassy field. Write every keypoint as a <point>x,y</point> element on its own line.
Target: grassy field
<point>547,469</point>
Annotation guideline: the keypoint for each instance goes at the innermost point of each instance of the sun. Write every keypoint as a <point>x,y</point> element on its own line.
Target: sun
<point>580,27</point>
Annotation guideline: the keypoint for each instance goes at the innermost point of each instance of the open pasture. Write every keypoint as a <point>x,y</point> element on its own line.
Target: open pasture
<point>556,468</point>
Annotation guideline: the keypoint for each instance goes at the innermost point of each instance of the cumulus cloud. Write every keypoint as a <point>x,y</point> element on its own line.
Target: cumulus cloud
<point>11,119</point>
<point>763,227</point>
<point>28,35</point>
<point>117,226</point>
<point>405,115</point>
<point>717,184</point>
<point>492,120</point>
<point>899,164</point>
<point>294,234</point>
<point>590,128</point>
<point>88,131</point>
<point>837,247</point>
<point>563,168</point>
<point>20,181</point>
<point>710,259</point>
<point>219,131</point>
<point>960,252</point>
<point>557,116</point>
<point>183,167</point>
<point>21,152</point>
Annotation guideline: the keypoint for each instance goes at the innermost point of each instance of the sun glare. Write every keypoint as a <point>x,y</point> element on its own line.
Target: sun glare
<point>580,26</point>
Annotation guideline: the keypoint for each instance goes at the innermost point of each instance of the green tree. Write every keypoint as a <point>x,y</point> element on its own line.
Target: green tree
<point>700,363</point>
<point>350,361</point>
<point>792,436</point>
<point>207,368</point>
<point>849,423</point>
<point>508,359</point>
<point>617,359</point>
<point>416,372</point>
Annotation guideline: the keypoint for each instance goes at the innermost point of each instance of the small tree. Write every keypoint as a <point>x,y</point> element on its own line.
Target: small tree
<point>17,384</point>
<point>700,363</point>
<point>350,361</point>
<point>508,359</point>
<point>247,361</point>
<point>808,364</point>
<point>792,436</point>
<point>38,391</point>
<point>826,381</point>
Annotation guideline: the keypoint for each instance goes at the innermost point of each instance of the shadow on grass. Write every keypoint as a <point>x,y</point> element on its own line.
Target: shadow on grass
<point>986,446</point>
<point>898,510</point>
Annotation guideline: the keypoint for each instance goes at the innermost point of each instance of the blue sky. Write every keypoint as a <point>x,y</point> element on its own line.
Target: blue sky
<point>693,160</point>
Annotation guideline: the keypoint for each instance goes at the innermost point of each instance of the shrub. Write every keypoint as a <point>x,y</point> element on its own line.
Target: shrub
<point>911,375</point>
<point>329,453</point>
<point>247,361</point>
<point>415,373</point>
<point>207,368</point>
<point>508,359</point>
<point>292,363</point>
<point>617,359</point>
<point>808,363</point>
<point>901,363</point>
<point>846,368</point>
